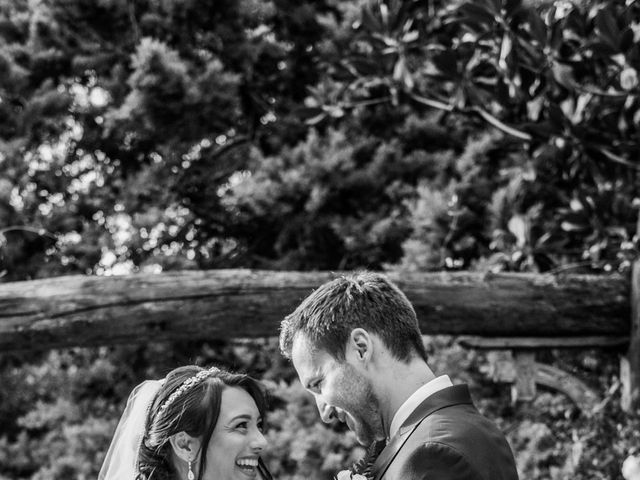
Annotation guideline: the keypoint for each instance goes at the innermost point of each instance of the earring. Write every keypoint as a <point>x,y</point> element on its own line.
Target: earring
<point>190,475</point>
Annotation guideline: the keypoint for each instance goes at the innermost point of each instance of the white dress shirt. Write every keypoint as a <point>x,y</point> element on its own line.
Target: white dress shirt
<point>416,398</point>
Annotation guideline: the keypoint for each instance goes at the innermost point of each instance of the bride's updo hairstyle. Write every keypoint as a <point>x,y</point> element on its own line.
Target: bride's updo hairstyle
<point>188,401</point>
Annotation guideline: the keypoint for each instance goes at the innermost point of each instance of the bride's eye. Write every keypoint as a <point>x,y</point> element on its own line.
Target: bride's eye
<point>242,426</point>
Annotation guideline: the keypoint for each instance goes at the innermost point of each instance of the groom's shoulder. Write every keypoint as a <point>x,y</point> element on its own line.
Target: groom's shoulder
<point>461,426</point>
<point>446,460</point>
<point>462,437</point>
<point>451,422</point>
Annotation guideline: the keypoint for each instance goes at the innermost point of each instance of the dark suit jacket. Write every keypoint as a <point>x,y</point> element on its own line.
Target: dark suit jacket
<point>446,438</point>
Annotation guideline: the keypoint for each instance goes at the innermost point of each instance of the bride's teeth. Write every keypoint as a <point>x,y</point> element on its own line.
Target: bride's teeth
<point>247,463</point>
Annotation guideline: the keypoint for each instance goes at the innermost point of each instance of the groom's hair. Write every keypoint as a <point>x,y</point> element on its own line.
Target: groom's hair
<point>360,300</point>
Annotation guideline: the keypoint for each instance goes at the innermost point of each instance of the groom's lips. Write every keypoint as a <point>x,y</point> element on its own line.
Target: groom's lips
<point>349,422</point>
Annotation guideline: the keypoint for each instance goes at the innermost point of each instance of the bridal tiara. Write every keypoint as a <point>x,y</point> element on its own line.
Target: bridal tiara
<point>187,385</point>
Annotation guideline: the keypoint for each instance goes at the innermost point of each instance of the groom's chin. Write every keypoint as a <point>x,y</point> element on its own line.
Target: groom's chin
<point>364,441</point>
<point>363,438</point>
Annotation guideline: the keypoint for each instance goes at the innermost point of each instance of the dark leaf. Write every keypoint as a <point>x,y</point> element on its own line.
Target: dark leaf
<point>494,6</point>
<point>477,14</point>
<point>369,20</point>
<point>511,6</point>
<point>556,116</point>
<point>362,66</point>
<point>308,112</point>
<point>557,37</point>
<point>574,221</point>
<point>397,14</point>
<point>551,241</point>
<point>602,49</point>
<point>543,261</point>
<point>575,21</point>
<point>446,62</point>
<point>537,28</point>
<point>540,130</point>
<point>474,95</point>
<point>626,39</point>
<point>607,28</point>
<point>502,93</point>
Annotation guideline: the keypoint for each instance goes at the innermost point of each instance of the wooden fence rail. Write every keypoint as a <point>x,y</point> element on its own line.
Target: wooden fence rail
<point>87,311</point>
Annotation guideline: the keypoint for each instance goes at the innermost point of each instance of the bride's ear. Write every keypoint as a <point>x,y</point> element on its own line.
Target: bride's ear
<point>185,446</point>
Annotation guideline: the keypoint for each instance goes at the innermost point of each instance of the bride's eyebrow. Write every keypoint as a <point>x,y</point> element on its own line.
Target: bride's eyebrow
<point>243,416</point>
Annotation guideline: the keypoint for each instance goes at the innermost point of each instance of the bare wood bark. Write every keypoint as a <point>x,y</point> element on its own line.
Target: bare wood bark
<point>82,311</point>
<point>524,384</point>
<point>630,363</point>
<point>512,367</point>
<point>535,343</point>
<point>556,379</point>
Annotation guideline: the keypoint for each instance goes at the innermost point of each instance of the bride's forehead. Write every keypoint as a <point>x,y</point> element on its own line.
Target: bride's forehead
<point>235,401</point>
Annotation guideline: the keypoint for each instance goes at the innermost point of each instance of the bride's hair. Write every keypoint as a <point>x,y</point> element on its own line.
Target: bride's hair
<point>193,410</point>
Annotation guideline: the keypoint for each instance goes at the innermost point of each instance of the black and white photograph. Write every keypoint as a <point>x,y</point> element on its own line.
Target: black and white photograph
<point>319,240</point>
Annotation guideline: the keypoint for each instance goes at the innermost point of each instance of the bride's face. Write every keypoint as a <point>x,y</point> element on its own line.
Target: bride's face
<point>237,440</point>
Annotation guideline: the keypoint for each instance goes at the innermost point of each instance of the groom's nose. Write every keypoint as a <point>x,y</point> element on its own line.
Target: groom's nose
<point>327,412</point>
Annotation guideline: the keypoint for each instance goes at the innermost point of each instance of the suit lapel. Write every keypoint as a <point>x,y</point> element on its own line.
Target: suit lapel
<point>441,399</point>
<point>389,453</point>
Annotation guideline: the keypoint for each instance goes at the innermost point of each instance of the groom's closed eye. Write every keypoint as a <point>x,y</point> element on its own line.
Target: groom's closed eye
<point>314,385</point>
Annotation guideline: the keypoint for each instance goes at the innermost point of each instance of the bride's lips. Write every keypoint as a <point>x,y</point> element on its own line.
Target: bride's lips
<point>248,465</point>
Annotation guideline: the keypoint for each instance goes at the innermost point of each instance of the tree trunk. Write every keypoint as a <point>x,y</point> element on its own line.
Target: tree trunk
<point>82,311</point>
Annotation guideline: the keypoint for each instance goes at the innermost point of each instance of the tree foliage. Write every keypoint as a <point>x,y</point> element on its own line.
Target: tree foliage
<point>481,134</point>
<point>116,144</point>
<point>559,78</point>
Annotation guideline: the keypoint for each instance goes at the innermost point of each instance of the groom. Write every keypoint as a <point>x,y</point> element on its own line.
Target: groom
<point>356,346</point>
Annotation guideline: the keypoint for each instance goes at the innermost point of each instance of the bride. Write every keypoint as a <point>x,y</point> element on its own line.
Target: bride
<point>195,424</point>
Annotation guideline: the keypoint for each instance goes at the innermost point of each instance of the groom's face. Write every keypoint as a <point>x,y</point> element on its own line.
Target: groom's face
<point>341,390</point>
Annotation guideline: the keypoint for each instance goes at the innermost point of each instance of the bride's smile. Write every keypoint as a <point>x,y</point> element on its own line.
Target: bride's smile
<point>194,424</point>
<point>237,439</point>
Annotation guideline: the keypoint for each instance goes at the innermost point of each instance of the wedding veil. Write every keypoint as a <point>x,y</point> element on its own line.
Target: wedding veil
<point>120,461</point>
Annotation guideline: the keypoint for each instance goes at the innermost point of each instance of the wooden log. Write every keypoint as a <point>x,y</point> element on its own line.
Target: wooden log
<point>524,385</point>
<point>630,363</point>
<point>535,343</point>
<point>556,379</point>
<point>82,310</point>
<point>507,368</point>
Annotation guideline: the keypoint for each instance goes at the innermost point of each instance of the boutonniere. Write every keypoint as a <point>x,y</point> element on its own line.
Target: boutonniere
<point>349,475</point>
<point>363,468</point>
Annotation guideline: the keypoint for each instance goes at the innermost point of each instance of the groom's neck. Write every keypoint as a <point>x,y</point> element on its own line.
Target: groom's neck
<point>398,381</point>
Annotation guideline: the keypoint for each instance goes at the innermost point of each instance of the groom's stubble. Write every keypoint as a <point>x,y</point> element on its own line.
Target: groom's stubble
<point>362,405</point>
<point>345,391</point>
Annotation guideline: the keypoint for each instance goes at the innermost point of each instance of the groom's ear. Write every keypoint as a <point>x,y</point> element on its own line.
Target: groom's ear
<point>361,344</point>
